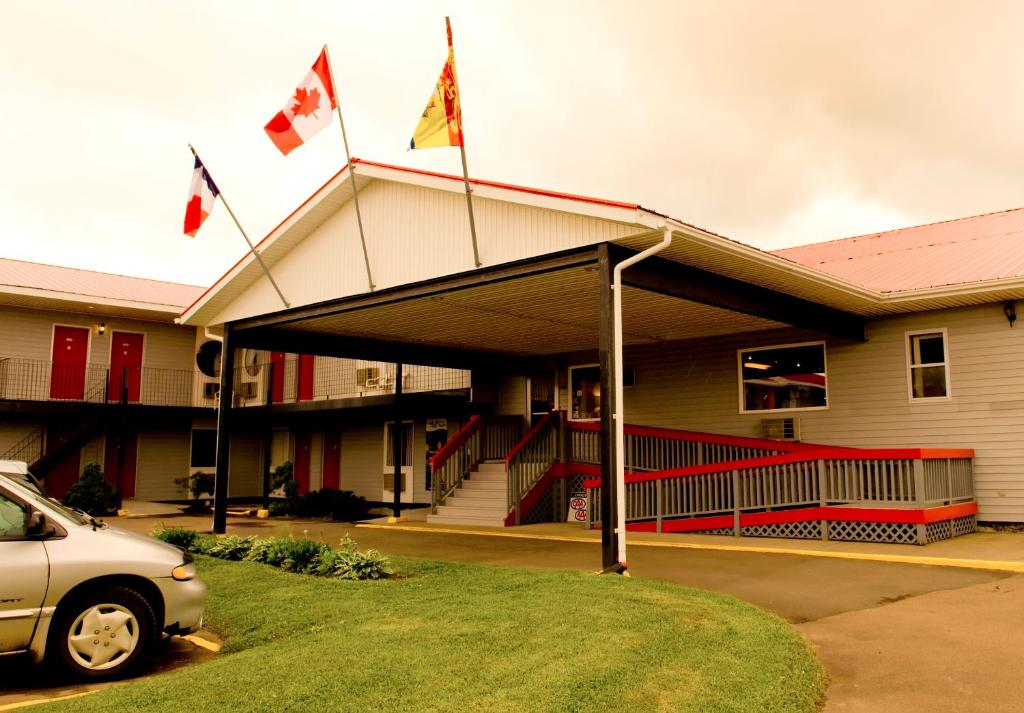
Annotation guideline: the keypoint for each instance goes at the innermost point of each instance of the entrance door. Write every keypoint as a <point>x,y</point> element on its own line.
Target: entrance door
<point>304,378</point>
<point>125,366</point>
<point>119,460</point>
<point>67,372</point>
<point>276,377</point>
<point>301,464</point>
<point>62,476</point>
<point>332,458</point>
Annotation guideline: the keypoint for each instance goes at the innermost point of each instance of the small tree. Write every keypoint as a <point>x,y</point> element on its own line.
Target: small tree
<point>92,493</point>
<point>196,485</point>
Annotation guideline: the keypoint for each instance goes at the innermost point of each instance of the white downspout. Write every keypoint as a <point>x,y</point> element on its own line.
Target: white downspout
<point>617,415</point>
<point>210,335</point>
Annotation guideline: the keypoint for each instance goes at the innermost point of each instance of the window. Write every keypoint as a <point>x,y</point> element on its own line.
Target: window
<point>389,461</point>
<point>585,391</point>
<point>928,364</point>
<point>783,378</point>
<point>13,520</point>
<point>204,448</point>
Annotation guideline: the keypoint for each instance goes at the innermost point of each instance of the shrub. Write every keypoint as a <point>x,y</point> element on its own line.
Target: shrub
<point>92,493</point>
<point>290,554</point>
<point>178,536</point>
<point>232,547</point>
<point>196,485</point>
<point>326,502</point>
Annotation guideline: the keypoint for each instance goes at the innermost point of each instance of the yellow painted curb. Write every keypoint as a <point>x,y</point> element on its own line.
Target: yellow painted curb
<point>998,565</point>
<point>40,701</point>
<point>202,643</point>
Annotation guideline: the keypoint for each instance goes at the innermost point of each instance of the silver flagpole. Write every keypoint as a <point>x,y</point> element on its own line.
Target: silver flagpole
<point>465,171</point>
<point>252,248</point>
<point>351,171</point>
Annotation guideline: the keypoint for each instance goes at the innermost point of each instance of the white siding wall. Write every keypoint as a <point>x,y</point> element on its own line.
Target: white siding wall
<point>695,385</point>
<point>412,234</point>
<point>163,456</point>
<point>362,460</point>
<point>246,473</point>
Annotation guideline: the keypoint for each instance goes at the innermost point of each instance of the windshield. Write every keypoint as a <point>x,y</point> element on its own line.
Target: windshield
<point>47,504</point>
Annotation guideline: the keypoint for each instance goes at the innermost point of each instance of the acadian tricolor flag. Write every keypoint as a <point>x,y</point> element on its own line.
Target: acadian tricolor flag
<point>201,195</point>
<point>308,110</point>
<point>441,123</point>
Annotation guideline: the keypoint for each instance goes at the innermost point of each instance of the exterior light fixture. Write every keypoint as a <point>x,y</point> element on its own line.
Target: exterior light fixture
<point>102,328</point>
<point>1010,310</point>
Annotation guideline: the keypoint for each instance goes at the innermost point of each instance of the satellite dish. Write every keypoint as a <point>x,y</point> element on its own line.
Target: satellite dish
<point>208,358</point>
<point>251,360</point>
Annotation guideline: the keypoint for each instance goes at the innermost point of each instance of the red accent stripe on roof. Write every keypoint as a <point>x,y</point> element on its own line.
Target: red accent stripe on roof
<point>419,172</point>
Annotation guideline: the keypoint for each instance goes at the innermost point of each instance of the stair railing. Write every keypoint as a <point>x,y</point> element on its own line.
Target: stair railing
<point>451,463</point>
<point>530,459</point>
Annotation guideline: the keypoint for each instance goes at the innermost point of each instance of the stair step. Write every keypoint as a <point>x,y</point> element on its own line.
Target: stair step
<point>474,512</point>
<point>497,468</point>
<point>480,522</point>
<point>464,503</point>
<point>484,485</point>
<point>480,476</point>
<point>477,495</point>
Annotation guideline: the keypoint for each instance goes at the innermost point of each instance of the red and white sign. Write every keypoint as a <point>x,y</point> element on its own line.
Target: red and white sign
<point>307,111</point>
<point>577,508</point>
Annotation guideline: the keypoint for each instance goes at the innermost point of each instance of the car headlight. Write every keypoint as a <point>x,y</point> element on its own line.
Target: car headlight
<point>184,572</point>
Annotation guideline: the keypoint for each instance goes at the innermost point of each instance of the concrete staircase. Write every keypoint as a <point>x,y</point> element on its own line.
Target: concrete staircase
<point>482,499</point>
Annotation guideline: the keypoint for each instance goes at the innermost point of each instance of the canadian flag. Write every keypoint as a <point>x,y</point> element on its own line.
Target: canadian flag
<point>308,110</point>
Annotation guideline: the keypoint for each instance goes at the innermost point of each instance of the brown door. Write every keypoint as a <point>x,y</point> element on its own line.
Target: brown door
<point>301,464</point>
<point>67,371</point>
<point>332,459</point>
<point>125,366</point>
<point>119,460</point>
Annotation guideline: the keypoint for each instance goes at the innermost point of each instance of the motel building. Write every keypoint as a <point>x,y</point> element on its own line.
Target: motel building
<point>861,389</point>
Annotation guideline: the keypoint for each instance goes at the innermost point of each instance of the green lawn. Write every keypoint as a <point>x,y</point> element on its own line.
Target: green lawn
<point>460,637</point>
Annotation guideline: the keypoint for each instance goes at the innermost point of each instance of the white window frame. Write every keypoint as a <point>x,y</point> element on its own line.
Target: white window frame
<point>739,378</point>
<point>571,395</point>
<point>910,366</point>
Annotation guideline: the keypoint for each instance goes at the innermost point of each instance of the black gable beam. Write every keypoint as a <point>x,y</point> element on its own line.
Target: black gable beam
<point>686,282</point>
<point>331,345</point>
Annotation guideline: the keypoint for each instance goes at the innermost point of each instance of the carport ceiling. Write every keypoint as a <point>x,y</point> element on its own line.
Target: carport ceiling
<point>542,314</point>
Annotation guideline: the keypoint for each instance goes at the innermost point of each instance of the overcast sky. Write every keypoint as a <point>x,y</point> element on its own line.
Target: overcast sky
<point>775,123</point>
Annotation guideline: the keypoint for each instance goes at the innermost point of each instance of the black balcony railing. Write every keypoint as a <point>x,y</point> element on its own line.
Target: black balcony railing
<point>39,380</point>
<point>298,378</point>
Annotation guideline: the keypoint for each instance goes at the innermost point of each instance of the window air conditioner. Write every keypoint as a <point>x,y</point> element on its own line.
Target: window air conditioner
<point>368,377</point>
<point>211,389</point>
<point>781,429</point>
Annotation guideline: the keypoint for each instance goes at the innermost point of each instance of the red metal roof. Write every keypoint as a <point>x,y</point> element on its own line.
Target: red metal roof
<point>965,250</point>
<point>86,283</point>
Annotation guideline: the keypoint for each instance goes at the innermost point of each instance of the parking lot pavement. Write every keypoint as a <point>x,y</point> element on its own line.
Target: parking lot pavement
<point>22,684</point>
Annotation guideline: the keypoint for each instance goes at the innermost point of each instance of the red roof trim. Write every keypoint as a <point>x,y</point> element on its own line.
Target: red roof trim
<point>505,186</point>
<point>419,172</point>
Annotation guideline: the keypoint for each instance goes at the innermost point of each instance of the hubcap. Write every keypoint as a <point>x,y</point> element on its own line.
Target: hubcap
<point>103,637</point>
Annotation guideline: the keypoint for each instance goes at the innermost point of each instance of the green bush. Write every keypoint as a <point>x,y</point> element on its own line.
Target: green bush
<point>288,553</point>
<point>178,536</point>
<point>92,493</point>
<point>231,547</point>
<point>341,505</point>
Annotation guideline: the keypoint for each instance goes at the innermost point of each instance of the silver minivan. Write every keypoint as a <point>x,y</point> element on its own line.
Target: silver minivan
<point>86,596</point>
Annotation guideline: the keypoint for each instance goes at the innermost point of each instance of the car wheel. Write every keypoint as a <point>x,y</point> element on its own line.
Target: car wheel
<point>104,633</point>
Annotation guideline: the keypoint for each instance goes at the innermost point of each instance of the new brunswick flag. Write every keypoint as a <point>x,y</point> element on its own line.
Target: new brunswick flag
<point>441,123</point>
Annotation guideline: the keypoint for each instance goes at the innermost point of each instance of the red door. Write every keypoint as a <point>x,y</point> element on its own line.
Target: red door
<point>304,378</point>
<point>67,372</point>
<point>120,457</point>
<point>276,377</point>
<point>62,476</point>
<point>125,366</point>
<point>332,458</point>
<point>301,465</point>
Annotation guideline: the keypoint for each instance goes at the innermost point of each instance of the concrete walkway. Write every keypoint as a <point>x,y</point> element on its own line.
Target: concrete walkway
<point>899,628</point>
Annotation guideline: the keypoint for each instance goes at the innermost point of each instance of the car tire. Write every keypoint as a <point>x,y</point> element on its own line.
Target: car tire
<point>104,633</point>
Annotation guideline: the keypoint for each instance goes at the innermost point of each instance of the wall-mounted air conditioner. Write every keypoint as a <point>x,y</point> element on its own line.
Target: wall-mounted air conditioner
<point>249,374</point>
<point>781,429</point>
<point>368,377</point>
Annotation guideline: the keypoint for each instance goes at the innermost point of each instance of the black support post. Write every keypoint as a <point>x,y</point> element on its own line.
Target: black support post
<point>606,359</point>
<point>396,442</point>
<point>227,395</point>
